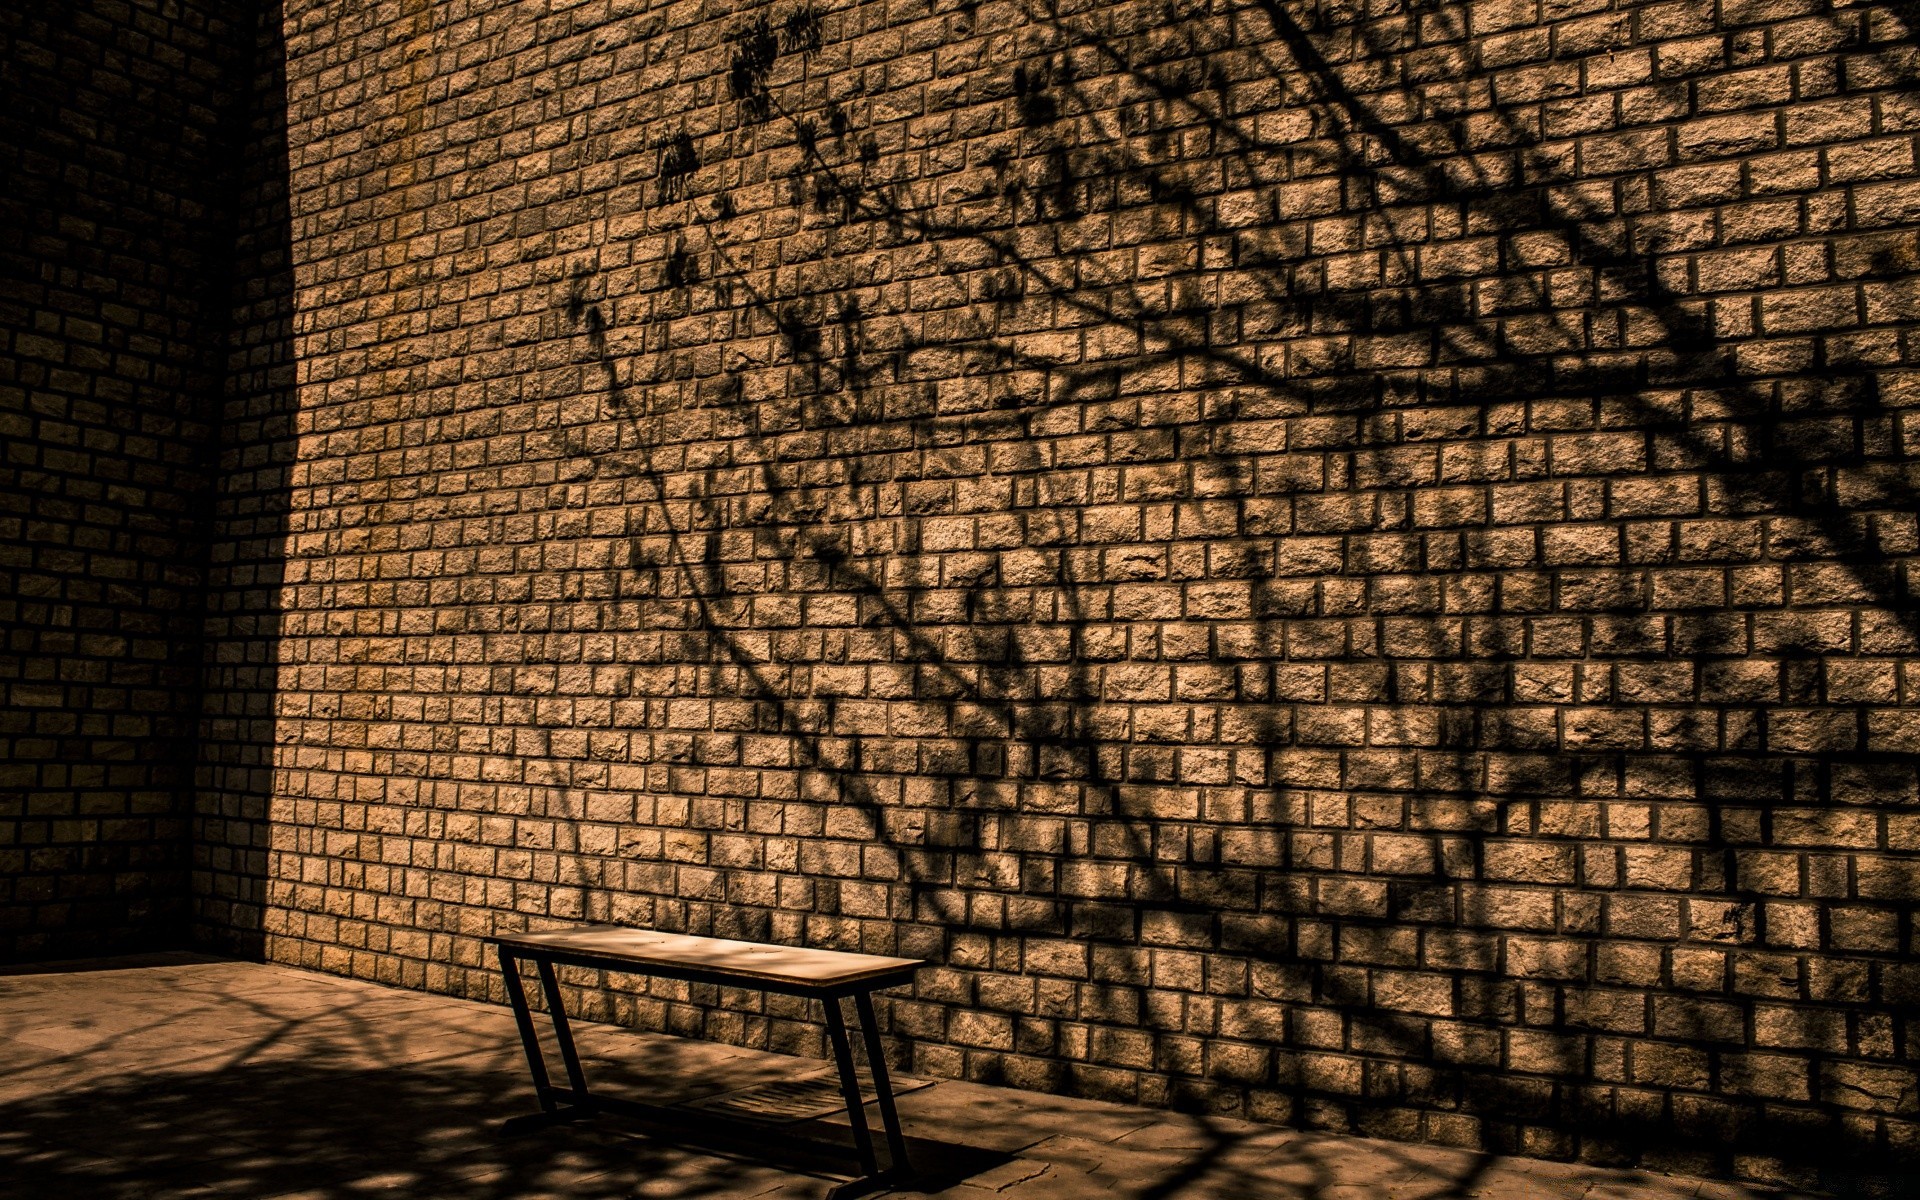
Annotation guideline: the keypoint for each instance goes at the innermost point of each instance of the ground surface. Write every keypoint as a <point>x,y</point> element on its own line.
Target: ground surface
<point>178,1076</point>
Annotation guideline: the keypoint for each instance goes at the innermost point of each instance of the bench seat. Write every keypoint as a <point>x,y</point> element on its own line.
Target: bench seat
<point>796,970</point>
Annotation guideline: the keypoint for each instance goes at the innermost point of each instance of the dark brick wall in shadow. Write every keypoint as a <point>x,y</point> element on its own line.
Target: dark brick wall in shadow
<point>234,780</point>
<point>117,139</point>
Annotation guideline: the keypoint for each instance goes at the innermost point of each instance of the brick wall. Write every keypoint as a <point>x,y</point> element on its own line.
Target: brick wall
<point>1343,564</point>
<point>113,249</point>
<point>229,834</point>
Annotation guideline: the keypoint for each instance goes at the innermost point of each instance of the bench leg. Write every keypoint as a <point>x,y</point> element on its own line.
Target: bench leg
<point>529,1039</point>
<point>550,1096</point>
<point>882,1086</point>
<point>849,1084</point>
<point>563,1033</point>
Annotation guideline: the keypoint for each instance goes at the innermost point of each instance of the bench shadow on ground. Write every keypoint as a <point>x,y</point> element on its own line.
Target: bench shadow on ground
<point>288,1129</point>
<point>224,1089</point>
<point>285,1130</point>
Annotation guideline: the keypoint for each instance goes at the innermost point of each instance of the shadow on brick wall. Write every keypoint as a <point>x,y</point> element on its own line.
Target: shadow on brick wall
<point>1488,718</point>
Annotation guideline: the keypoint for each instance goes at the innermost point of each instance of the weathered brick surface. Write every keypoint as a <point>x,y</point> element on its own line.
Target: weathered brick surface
<point>1349,564</point>
<point>113,249</point>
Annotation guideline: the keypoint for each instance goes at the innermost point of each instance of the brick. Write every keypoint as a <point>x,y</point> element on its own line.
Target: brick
<point>116,260</point>
<point>1804,311</point>
<point>1406,635</point>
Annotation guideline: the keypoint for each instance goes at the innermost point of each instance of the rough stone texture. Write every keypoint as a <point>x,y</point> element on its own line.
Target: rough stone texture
<point>1342,564</point>
<point>114,241</point>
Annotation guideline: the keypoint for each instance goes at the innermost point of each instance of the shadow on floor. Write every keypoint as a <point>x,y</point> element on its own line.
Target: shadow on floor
<point>219,1079</point>
<point>280,1129</point>
<point>285,1129</point>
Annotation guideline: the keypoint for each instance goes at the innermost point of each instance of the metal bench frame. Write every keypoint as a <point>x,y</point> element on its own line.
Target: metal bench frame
<point>579,1101</point>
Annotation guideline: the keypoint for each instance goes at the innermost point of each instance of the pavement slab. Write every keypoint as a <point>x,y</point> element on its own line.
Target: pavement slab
<point>186,1076</point>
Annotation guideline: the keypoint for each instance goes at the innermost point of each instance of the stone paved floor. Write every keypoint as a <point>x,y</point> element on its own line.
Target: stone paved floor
<point>182,1076</point>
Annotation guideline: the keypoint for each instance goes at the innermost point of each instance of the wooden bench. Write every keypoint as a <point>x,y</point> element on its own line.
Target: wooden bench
<point>827,975</point>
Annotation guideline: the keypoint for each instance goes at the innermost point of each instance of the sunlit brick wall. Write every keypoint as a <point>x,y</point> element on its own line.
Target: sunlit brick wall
<point>1342,565</point>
